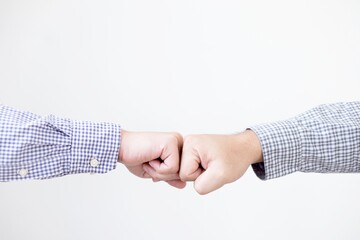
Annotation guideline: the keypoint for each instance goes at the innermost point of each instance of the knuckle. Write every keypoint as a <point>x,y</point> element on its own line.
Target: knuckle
<point>190,140</point>
<point>183,176</point>
<point>156,176</point>
<point>178,136</point>
<point>173,169</point>
<point>175,138</point>
<point>155,179</point>
<point>186,176</point>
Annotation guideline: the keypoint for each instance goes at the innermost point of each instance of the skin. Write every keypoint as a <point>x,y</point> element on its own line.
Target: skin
<point>210,161</point>
<point>159,152</point>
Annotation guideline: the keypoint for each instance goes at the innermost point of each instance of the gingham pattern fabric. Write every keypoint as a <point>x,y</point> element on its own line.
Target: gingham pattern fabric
<point>34,147</point>
<point>325,139</point>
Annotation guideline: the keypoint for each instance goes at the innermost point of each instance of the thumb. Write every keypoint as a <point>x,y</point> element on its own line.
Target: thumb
<point>190,167</point>
<point>211,179</point>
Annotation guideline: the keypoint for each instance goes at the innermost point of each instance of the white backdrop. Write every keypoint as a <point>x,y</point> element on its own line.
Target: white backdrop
<point>193,66</point>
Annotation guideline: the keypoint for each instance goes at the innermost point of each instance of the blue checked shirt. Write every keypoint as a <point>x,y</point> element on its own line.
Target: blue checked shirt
<point>34,147</point>
<point>325,139</point>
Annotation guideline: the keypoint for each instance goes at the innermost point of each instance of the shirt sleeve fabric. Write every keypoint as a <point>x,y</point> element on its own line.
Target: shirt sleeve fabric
<point>35,147</point>
<point>325,139</point>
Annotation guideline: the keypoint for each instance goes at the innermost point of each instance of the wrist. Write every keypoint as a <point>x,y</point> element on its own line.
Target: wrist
<point>123,136</point>
<point>251,146</point>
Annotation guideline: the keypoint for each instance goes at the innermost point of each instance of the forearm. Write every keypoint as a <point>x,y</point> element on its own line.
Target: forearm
<point>325,139</point>
<point>35,147</point>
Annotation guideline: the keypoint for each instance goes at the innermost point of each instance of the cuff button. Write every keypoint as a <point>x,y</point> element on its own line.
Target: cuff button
<point>23,172</point>
<point>94,162</point>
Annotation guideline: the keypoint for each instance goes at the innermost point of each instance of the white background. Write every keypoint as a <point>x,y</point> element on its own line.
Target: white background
<point>193,66</point>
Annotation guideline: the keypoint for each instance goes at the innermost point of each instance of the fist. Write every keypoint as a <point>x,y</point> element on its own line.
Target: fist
<point>152,155</point>
<point>212,161</point>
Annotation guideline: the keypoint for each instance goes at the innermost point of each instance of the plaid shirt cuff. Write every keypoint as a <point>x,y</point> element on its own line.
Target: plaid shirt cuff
<point>281,146</point>
<point>95,147</point>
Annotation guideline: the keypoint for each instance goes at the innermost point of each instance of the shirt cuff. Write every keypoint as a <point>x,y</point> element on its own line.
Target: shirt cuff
<point>95,147</point>
<point>281,147</point>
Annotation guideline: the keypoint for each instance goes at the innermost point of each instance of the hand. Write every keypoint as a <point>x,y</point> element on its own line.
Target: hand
<point>214,160</point>
<point>152,155</point>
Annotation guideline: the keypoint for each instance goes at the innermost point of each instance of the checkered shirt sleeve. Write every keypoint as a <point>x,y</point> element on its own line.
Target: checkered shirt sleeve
<point>325,139</point>
<point>34,147</point>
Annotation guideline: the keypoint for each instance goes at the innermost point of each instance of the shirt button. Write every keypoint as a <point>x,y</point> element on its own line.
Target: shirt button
<point>94,162</point>
<point>23,172</point>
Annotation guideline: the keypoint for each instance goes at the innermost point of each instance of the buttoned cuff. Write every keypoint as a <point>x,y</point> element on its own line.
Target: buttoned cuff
<point>281,147</point>
<point>95,147</point>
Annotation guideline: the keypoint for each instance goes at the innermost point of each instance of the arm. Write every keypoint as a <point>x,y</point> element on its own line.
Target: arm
<point>35,147</point>
<point>324,139</point>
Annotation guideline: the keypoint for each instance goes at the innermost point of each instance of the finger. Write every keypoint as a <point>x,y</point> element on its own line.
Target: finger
<point>177,183</point>
<point>155,164</point>
<point>138,171</point>
<point>170,156</point>
<point>156,176</point>
<point>155,180</point>
<point>190,167</point>
<point>211,179</point>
